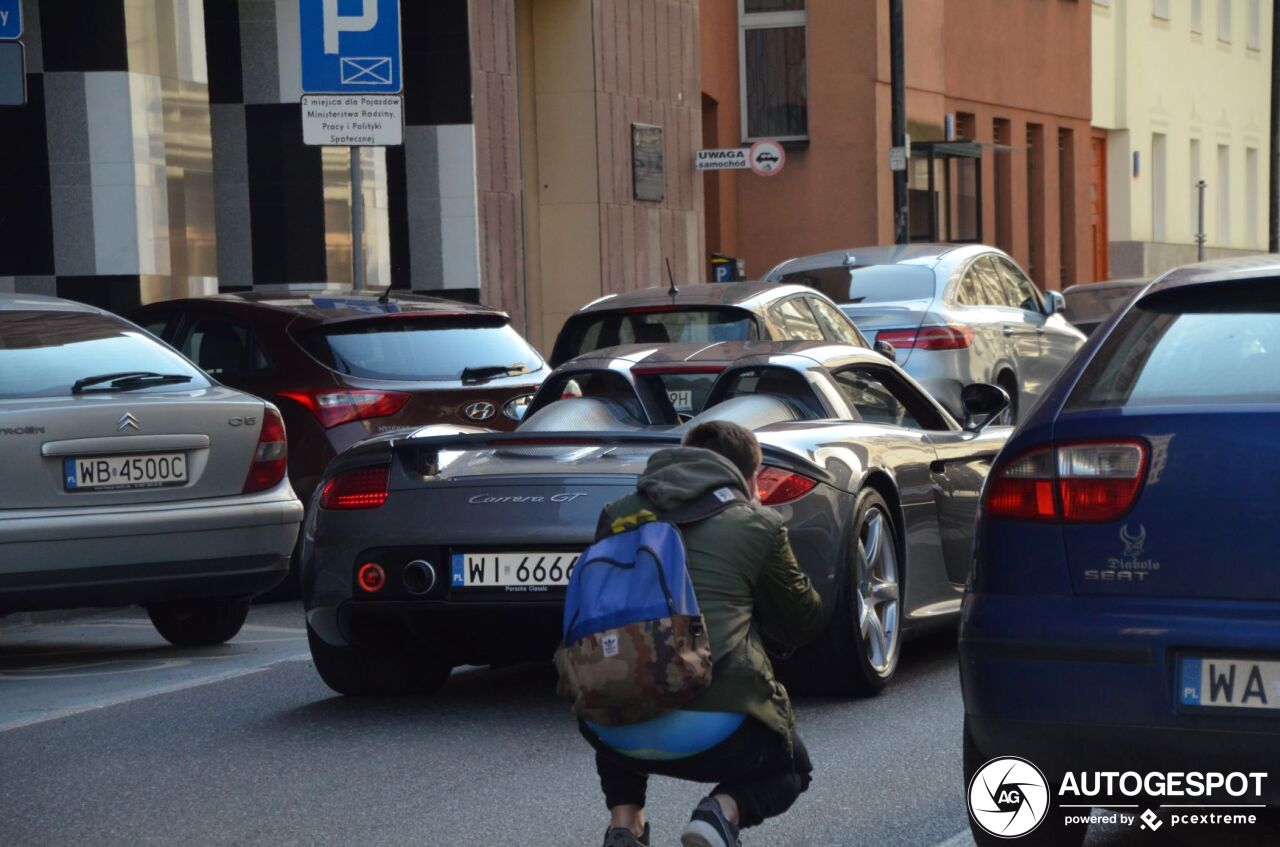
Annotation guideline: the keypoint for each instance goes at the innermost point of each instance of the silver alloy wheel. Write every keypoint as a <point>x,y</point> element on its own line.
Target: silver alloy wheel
<point>878,591</point>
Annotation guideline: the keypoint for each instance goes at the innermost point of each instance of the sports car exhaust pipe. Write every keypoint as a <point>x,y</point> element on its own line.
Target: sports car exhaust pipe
<point>419,577</point>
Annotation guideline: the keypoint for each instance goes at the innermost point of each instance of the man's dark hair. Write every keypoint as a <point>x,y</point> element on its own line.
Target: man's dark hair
<point>736,443</point>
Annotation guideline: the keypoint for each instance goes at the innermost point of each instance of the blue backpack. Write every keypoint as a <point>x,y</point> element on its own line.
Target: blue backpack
<point>635,643</point>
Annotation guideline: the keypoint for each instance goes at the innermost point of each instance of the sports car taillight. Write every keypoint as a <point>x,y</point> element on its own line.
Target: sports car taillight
<point>779,486</point>
<point>332,407</point>
<point>945,337</point>
<point>1085,482</point>
<point>358,488</point>
<point>270,458</point>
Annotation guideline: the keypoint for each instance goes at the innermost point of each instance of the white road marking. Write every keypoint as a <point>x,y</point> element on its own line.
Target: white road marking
<point>141,694</point>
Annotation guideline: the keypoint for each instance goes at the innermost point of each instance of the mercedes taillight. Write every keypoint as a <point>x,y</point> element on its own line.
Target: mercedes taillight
<point>944,337</point>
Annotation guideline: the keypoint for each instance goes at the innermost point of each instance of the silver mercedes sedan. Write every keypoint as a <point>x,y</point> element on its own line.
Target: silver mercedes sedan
<point>131,477</point>
<point>955,313</point>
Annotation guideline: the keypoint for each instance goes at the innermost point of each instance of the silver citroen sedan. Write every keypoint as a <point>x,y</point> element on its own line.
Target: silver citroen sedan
<point>131,477</point>
<point>955,313</point>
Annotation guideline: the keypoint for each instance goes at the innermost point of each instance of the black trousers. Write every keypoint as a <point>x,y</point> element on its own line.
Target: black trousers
<point>763,772</point>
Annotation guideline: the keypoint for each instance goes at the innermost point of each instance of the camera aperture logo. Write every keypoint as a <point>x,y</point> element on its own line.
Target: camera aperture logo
<point>1008,797</point>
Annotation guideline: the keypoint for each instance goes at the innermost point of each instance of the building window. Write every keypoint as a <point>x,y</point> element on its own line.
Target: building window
<point>1195,188</point>
<point>1224,194</point>
<point>1197,16</point>
<point>1255,25</point>
<point>1002,134</point>
<point>1251,198</point>
<point>1160,9</point>
<point>1035,200</point>
<point>1224,20</point>
<point>1067,207</point>
<point>774,74</point>
<point>1159,200</point>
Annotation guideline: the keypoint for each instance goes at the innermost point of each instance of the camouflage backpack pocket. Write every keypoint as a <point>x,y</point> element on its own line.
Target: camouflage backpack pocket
<point>637,671</point>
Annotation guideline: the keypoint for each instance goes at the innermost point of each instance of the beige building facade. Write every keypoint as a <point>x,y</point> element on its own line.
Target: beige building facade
<point>1181,94</point>
<point>586,136</point>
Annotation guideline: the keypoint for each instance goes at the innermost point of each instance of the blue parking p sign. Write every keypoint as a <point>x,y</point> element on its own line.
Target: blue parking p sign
<point>350,46</point>
<point>10,19</point>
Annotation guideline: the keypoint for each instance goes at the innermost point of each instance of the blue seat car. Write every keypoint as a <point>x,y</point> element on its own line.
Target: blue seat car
<point>1123,614</point>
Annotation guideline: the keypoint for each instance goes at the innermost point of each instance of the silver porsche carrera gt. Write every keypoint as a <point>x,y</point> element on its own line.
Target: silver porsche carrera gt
<point>426,551</point>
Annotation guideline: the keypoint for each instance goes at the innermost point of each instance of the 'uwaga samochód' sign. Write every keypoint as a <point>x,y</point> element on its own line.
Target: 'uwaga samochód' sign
<point>731,159</point>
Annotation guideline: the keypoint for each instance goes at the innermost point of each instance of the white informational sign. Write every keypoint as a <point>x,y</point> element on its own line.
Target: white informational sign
<point>897,158</point>
<point>767,158</point>
<point>730,159</point>
<point>353,120</point>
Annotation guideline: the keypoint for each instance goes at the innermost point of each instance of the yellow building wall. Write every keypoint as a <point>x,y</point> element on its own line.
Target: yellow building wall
<point>1154,75</point>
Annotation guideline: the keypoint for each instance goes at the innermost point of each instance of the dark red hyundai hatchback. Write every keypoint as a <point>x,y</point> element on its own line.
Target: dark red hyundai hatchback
<point>343,368</point>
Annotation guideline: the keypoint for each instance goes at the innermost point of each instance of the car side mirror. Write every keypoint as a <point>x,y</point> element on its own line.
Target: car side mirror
<point>884,348</point>
<point>1054,302</point>
<point>983,403</point>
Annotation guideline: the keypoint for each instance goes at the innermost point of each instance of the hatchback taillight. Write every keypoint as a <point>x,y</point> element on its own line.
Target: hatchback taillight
<point>270,458</point>
<point>945,337</point>
<point>358,488</point>
<point>1085,482</point>
<point>333,407</point>
<point>778,486</point>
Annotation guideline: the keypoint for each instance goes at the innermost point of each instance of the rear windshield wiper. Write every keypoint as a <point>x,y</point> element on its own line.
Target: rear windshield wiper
<point>490,371</point>
<point>127,381</point>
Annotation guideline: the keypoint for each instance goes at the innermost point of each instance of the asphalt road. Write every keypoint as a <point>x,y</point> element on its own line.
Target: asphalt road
<point>108,736</point>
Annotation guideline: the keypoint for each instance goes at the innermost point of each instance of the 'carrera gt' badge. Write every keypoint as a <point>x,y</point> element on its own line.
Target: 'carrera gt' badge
<point>481,411</point>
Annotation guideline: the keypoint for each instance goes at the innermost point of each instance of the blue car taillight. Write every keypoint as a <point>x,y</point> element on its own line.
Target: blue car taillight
<point>1080,482</point>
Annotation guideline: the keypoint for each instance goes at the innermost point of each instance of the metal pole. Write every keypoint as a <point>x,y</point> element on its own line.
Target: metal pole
<point>898,83</point>
<point>1200,236</point>
<point>1273,199</point>
<point>357,222</point>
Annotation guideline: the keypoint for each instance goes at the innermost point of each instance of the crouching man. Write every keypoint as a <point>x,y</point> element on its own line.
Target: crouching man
<point>740,731</point>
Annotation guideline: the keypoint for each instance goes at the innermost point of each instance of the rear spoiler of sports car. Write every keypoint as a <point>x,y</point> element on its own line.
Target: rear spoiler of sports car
<point>423,453</point>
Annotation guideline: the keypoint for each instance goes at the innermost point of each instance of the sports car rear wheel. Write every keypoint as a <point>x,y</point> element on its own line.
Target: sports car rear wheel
<point>858,654</point>
<point>199,623</point>
<point>364,671</point>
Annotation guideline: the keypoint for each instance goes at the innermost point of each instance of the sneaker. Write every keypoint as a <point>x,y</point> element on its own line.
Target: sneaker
<point>623,837</point>
<point>708,827</point>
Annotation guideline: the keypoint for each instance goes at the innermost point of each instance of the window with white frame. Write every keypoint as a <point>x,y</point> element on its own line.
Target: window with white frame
<point>773,46</point>
<point>1194,205</point>
<point>1255,25</point>
<point>1160,9</point>
<point>1197,16</point>
<point>1251,234</point>
<point>1224,20</point>
<point>1224,194</point>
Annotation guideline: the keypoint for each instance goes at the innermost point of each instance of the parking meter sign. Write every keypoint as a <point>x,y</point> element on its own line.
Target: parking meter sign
<point>10,19</point>
<point>350,47</point>
<point>767,158</point>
